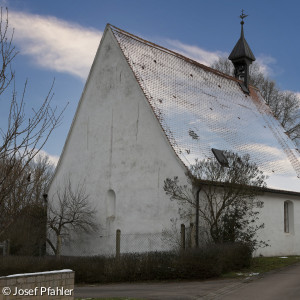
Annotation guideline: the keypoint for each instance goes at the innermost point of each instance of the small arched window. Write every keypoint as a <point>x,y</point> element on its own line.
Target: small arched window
<point>111,204</point>
<point>288,217</point>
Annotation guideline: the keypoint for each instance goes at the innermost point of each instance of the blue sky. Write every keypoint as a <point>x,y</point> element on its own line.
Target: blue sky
<point>59,38</point>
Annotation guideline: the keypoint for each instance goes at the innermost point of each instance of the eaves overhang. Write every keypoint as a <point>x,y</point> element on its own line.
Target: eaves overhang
<point>199,183</point>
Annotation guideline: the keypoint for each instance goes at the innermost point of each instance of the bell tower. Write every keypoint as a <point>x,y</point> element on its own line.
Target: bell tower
<point>242,57</point>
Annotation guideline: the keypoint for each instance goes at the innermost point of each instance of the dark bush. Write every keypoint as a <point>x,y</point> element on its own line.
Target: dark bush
<point>206,262</point>
<point>235,256</point>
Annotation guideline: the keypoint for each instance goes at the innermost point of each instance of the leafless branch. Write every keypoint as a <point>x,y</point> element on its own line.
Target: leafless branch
<point>25,135</point>
<point>234,200</point>
<point>284,105</point>
<point>70,211</point>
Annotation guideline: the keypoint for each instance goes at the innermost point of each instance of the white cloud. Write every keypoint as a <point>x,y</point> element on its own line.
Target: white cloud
<point>70,48</point>
<point>67,47</point>
<point>194,52</point>
<point>298,95</point>
<point>265,64</point>
<point>55,44</point>
<point>209,57</point>
<point>53,159</point>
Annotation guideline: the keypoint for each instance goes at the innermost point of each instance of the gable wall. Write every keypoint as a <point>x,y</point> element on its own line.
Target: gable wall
<point>117,143</point>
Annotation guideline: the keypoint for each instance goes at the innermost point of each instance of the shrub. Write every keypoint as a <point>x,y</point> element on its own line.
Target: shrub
<point>206,262</point>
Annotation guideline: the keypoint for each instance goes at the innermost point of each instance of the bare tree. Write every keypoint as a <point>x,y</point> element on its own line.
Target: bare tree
<point>224,65</point>
<point>70,211</point>
<point>23,214</point>
<point>284,105</point>
<point>228,207</point>
<point>8,52</point>
<point>172,236</point>
<point>25,135</point>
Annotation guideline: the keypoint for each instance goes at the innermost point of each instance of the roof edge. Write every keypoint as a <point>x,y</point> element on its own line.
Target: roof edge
<point>187,59</point>
<point>199,182</point>
<point>107,28</point>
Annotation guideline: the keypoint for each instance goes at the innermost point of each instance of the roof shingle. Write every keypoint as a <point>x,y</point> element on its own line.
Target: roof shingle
<point>188,97</point>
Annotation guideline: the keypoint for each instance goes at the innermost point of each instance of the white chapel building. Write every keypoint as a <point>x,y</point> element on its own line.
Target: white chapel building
<point>145,114</point>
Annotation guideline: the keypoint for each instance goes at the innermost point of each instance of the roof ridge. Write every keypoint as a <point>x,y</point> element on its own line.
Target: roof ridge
<point>151,44</point>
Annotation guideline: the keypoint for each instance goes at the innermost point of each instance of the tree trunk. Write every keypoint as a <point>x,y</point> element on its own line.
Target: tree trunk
<point>58,246</point>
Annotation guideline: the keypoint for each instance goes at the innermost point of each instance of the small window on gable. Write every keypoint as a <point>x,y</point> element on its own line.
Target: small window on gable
<point>111,204</point>
<point>288,217</point>
<point>221,158</point>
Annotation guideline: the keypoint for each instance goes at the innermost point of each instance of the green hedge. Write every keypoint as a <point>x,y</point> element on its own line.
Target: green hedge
<point>207,262</point>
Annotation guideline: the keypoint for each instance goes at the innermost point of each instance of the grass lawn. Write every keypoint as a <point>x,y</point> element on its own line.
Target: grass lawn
<point>263,264</point>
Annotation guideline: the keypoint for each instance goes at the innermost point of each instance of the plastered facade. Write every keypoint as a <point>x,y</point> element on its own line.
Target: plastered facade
<point>118,148</point>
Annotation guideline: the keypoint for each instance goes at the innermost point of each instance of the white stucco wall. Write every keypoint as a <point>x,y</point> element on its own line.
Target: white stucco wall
<point>118,147</point>
<point>272,215</point>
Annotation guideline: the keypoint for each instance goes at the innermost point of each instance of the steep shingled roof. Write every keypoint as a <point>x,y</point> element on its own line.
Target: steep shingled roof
<point>200,109</point>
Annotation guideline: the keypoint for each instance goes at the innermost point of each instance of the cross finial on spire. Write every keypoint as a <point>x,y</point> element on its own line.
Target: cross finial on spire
<point>243,16</point>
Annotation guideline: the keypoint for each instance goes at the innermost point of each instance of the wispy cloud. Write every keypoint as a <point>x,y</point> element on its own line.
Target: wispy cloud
<point>194,52</point>
<point>265,64</point>
<point>53,159</point>
<point>67,47</point>
<point>55,44</point>
<point>209,57</point>
<point>298,95</point>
